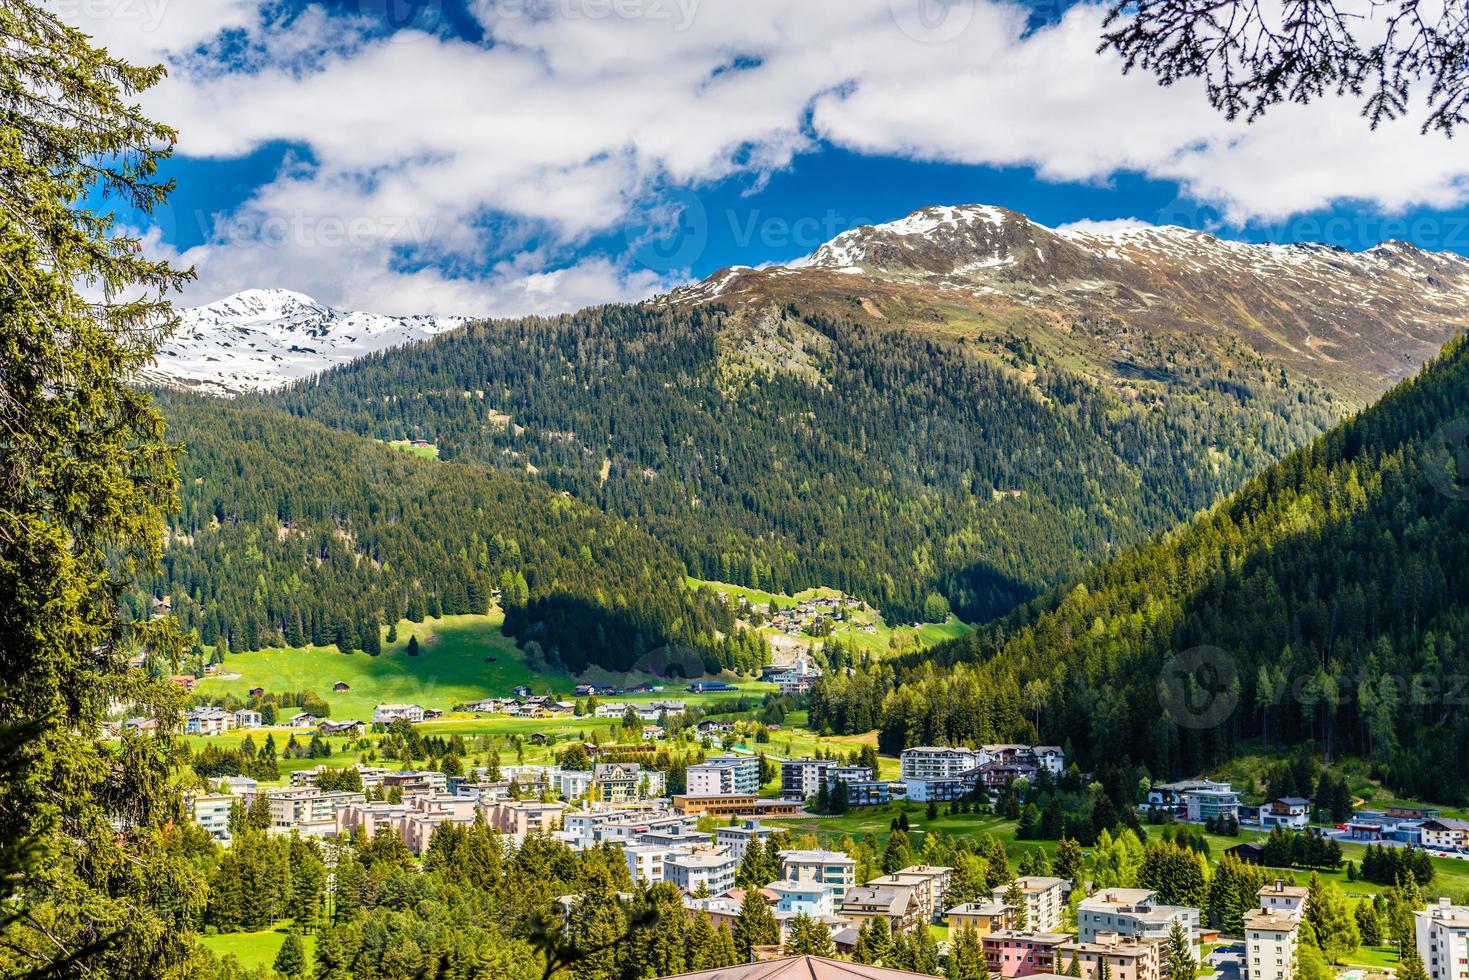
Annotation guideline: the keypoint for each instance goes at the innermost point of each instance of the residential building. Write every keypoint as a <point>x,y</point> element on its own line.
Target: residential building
<point>1133,913</point>
<point>930,886</point>
<point>645,861</point>
<point>300,805</point>
<point>212,812</point>
<point>247,718</point>
<point>983,917</point>
<point>802,968</point>
<point>573,784</point>
<point>895,904</point>
<point>737,839</point>
<point>1271,939</point>
<point>386,713</point>
<point>835,869</point>
<point>1124,958</point>
<point>620,782</point>
<point>801,779</point>
<point>1015,953</point>
<point>1210,803</point>
<point>1281,899</point>
<point>208,721</point>
<point>937,762</point>
<point>1443,940</point>
<point>811,897</point>
<point>237,785</point>
<point>744,778</point>
<point>1043,897</point>
<point>1443,834</point>
<point>1289,812</point>
<point>524,816</point>
<point>711,868</point>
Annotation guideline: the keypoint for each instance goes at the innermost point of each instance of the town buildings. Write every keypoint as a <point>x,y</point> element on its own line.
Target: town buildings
<point>1272,932</point>
<point>1133,913</point>
<point>1124,958</point>
<point>1043,900</point>
<point>1012,953</point>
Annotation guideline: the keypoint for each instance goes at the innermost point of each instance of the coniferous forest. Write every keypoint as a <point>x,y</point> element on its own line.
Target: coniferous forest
<point>885,462</point>
<point>1326,602</point>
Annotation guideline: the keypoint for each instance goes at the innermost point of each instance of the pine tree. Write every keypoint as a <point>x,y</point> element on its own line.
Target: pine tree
<point>966,956</point>
<point>1410,967</point>
<point>809,938</point>
<point>1069,860</point>
<point>754,926</point>
<point>413,646</point>
<point>1015,898</point>
<point>291,960</point>
<point>1179,954</point>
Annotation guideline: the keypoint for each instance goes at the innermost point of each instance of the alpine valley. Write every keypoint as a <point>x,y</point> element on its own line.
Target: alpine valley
<point>954,411</point>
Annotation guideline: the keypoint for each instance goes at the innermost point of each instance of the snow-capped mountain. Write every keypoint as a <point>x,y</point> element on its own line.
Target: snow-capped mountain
<point>1363,318</point>
<point>262,339</point>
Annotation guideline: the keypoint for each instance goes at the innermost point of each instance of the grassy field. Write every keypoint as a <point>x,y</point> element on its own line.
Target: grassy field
<point>882,640</point>
<point>254,949</point>
<point>453,666</point>
<point>427,452</point>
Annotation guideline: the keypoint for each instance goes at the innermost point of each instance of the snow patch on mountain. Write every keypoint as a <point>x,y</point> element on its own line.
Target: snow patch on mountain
<point>263,339</point>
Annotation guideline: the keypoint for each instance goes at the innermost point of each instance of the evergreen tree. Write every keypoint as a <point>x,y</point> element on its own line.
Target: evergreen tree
<point>809,938</point>
<point>754,926</point>
<point>966,956</point>
<point>1069,860</point>
<point>1015,898</point>
<point>1179,954</point>
<point>290,961</point>
<point>413,646</point>
<point>1411,966</point>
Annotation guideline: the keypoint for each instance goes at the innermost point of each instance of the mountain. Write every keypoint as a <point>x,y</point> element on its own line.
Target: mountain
<point>290,533</point>
<point>1325,603</point>
<point>262,339</point>
<point>1355,321</point>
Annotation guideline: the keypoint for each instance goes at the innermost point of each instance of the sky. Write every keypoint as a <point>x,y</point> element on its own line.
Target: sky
<point>506,157</point>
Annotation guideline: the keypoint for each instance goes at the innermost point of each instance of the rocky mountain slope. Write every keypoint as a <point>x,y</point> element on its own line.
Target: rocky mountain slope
<point>1354,321</point>
<point>262,339</point>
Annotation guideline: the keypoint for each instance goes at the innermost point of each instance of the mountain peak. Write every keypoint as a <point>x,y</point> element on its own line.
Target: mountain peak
<point>263,339</point>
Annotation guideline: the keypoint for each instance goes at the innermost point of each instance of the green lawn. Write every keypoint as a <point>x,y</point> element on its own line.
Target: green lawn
<point>430,451</point>
<point>255,948</point>
<point>1373,958</point>
<point>452,667</point>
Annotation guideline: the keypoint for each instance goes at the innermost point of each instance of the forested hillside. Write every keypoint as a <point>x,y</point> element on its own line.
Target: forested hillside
<point>292,533</point>
<point>1330,596</point>
<point>782,451</point>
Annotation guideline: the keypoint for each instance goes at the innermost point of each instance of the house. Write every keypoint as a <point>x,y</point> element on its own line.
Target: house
<point>208,721</point>
<point>1013,953</point>
<point>894,904</point>
<point>1442,932</point>
<point>1133,914</point>
<point>256,692</point>
<point>304,719</point>
<point>140,725</point>
<point>341,686</point>
<point>1443,834</point>
<point>185,681</point>
<point>1250,852</point>
<point>247,718</point>
<point>1043,898</point>
<point>1116,956</point>
<point>983,917</point>
<point>346,727</point>
<point>385,713</point>
<point>1289,812</point>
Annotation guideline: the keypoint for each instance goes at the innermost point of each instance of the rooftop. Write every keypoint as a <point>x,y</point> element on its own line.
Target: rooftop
<point>805,968</point>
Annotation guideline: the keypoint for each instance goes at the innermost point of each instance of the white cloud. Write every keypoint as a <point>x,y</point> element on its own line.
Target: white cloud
<point>435,157</point>
<point>1108,226</point>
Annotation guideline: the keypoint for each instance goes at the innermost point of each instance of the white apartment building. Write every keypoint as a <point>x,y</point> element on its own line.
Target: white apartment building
<point>1278,897</point>
<point>646,862</point>
<point>213,814</point>
<point>1443,940</point>
<point>726,775</point>
<point>937,762</point>
<point>1271,939</point>
<point>714,870</point>
<point>1044,898</point>
<point>1134,913</point>
<point>836,869</point>
<point>737,839</point>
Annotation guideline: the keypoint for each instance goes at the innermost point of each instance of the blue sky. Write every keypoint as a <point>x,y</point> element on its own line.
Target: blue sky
<point>510,156</point>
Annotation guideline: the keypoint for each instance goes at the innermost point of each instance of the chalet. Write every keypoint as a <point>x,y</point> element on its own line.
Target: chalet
<point>347,727</point>
<point>304,719</point>
<point>185,681</point>
<point>257,692</point>
<point>1443,834</point>
<point>1289,812</point>
<point>341,686</point>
